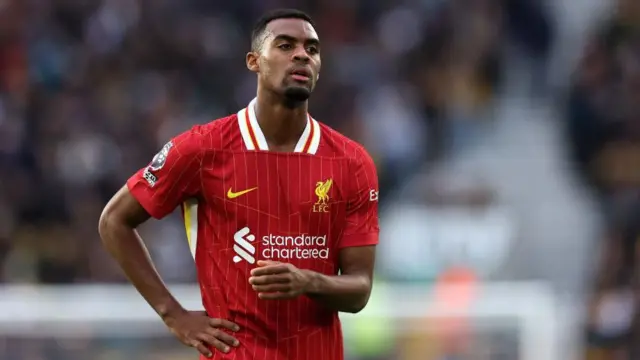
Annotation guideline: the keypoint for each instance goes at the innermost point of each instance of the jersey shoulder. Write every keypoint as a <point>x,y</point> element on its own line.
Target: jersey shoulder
<point>218,134</point>
<point>339,145</point>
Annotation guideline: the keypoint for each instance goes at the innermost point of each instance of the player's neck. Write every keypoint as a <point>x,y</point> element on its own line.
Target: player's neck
<point>281,125</point>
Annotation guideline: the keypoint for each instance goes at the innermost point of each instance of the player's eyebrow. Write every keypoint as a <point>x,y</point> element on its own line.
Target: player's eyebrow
<point>289,38</point>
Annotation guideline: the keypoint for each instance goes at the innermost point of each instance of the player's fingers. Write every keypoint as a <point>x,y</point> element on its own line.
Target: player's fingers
<point>223,336</point>
<point>198,345</point>
<point>272,288</point>
<point>270,269</point>
<point>269,279</point>
<point>270,296</point>
<point>276,295</point>
<point>268,262</point>
<point>211,340</point>
<point>224,324</point>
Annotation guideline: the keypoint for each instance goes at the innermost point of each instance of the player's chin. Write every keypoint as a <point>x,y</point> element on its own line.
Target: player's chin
<point>297,93</point>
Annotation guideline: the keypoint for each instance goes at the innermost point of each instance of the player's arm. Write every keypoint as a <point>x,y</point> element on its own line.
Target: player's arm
<point>349,291</point>
<point>156,190</point>
<point>118,223</point>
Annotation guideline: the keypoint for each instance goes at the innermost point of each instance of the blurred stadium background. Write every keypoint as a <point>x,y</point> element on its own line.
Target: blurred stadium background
<point>506,132</point>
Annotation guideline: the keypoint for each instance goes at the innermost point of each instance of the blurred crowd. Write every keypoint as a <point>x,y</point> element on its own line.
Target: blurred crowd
<point>603,118</point>
<point>90,90</point>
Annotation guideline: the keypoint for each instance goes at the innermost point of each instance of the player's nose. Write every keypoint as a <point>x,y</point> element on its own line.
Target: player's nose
<point>300,55</point>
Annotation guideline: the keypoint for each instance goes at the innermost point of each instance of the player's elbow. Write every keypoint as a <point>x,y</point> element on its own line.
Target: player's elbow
<point>355,308</point>
<point>357,305</point>
<point>361,300</point>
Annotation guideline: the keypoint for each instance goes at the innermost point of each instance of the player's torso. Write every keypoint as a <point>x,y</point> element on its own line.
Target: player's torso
<point>261,205</point>
<point>282,207</point>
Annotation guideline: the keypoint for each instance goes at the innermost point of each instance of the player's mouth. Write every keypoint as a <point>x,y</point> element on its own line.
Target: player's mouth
<point>301,74</point>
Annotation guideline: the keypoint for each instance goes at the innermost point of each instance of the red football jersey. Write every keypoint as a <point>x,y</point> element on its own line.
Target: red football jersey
<point>243,203</point>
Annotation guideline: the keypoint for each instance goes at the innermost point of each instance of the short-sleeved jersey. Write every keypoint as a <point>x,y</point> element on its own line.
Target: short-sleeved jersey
<point>243,203</point>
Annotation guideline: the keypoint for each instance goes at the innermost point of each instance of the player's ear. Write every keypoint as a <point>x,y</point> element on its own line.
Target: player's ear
<point>252,61</point>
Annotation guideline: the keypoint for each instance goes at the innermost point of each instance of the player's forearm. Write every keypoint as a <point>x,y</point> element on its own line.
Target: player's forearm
<point>125,245</point>
<point>345,293</point>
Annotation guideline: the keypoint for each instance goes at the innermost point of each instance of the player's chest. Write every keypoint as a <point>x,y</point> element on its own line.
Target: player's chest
<point>295,191</point>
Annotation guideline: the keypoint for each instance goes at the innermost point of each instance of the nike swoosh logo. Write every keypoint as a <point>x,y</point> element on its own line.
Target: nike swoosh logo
<point>233,195</point>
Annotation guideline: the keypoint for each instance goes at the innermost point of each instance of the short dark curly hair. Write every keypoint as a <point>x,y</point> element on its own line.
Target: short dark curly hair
<point>257,35</point>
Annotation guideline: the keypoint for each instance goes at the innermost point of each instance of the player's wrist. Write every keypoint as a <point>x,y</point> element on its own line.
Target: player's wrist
<point>170,311</point>
<point>311,283</point>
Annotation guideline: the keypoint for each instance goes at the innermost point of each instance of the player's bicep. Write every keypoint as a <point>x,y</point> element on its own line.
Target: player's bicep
<point>172,176</point>
<point>358,260</point>
<point>124,208</point>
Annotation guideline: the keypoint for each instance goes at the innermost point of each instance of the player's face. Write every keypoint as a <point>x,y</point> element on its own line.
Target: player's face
<point>289,61</point>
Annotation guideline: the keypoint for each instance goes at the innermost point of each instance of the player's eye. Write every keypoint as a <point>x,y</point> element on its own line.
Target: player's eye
<point>285,46</point>
<point>313,50</point>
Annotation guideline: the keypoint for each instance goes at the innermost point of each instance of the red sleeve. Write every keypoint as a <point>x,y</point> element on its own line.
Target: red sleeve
<point>172,176</point>
<point>362,209</point>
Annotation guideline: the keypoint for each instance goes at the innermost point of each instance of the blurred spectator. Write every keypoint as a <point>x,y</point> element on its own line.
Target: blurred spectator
<point>89,91</point>
<point>605,131</point>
